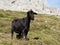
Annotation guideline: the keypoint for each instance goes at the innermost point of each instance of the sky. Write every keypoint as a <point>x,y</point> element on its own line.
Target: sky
<point>54,3</point>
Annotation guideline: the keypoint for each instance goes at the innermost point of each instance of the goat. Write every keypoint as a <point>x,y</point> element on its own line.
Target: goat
<point>21,26</point>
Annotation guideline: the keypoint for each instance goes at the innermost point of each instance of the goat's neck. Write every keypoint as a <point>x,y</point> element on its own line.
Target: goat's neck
<point>28,22</point>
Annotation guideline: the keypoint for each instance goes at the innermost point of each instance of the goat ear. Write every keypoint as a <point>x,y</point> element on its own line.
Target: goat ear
<point>35,13</point>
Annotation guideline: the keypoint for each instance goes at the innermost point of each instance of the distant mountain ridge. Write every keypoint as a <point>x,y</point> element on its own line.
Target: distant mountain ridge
<point>40,6</point>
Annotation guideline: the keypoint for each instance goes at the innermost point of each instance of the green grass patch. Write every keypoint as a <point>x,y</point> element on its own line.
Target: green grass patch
<point>46,27</point>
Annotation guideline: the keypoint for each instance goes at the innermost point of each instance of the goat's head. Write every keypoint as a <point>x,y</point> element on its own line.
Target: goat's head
<point>31,14</point>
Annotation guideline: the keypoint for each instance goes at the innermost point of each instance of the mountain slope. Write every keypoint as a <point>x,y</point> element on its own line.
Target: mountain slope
<point>45,27</point>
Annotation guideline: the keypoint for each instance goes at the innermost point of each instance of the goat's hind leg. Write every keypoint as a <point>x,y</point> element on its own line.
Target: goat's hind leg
<point>12,32</point>
<point>18,36</point>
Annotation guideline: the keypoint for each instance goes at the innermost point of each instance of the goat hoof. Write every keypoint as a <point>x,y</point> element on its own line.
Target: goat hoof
<point>27,38</point>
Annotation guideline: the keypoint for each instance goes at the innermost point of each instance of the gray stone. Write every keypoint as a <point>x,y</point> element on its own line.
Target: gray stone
<point>40,6</point>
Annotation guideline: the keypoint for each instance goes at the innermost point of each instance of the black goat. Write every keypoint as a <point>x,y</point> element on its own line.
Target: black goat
<point>21,26</point>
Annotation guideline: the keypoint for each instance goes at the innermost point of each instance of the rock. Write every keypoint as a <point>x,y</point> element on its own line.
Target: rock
<point>40,6</point>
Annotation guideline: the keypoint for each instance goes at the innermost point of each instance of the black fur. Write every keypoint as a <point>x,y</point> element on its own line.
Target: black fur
<point>21,26</point>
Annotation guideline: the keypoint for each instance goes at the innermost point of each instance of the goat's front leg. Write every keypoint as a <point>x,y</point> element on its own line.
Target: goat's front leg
<point>26,32</point>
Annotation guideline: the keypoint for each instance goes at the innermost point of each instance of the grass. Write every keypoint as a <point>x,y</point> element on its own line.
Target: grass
<point>46,27</point>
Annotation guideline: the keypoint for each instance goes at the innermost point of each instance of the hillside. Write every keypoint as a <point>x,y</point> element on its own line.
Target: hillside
<point>46,27</point>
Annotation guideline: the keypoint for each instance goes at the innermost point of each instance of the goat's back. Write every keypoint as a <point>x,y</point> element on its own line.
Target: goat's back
<point>19,24</point>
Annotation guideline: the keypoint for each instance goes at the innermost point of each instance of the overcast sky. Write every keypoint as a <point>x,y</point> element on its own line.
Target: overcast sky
<point>54,3</point>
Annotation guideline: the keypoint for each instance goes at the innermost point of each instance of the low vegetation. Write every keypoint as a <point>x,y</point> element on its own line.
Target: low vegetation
<point>45,27</point>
